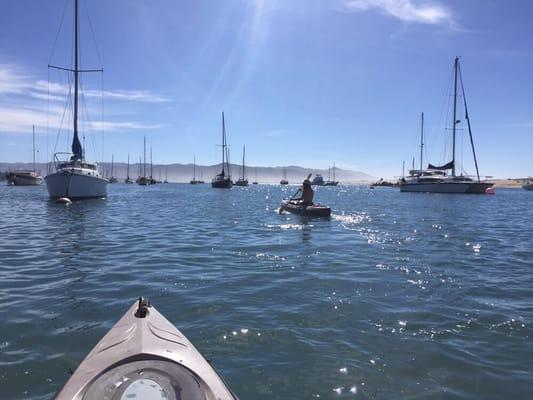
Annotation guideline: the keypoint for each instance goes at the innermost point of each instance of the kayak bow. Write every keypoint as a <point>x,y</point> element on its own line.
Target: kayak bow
<point>144,356</point>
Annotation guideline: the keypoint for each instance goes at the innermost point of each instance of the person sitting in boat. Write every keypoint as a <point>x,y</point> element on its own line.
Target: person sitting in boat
<point>307,193</point>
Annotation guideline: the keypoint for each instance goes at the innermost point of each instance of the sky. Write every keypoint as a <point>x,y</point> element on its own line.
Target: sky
<point>301,82</point>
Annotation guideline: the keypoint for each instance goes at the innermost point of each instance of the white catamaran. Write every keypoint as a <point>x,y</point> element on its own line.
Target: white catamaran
<point>435,179</point>
<point>75,178</point>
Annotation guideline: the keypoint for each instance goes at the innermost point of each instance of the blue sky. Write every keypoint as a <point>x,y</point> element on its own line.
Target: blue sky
<point>302,82</point>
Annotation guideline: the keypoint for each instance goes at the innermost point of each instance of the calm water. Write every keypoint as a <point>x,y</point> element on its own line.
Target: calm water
<point>404,296</point>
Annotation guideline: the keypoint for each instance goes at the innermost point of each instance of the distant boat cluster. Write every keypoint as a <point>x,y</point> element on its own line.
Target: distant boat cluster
<point>76,178</point>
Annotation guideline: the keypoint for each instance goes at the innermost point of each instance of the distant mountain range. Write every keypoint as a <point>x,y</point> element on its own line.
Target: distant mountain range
<point>184,172</point>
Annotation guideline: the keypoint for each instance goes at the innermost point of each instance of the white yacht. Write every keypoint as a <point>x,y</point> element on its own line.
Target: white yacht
<point>24,177</point>
<point>75,178</point>
<point>435,179</point>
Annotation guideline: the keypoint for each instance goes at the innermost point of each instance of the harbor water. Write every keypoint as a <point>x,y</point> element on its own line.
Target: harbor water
<point>396,296</point>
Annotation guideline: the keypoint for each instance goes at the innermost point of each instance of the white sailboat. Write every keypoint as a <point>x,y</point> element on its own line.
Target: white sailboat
<point>25,177</point>
<point>223,179</point>
<point>435,179</point>
<point>75,178</point>
<point>284,180</point>
<point>112,178</point>
<point>331,182</point>
<point>143,180</point>
<point>194,181</point>
<point>128,179</point>
<point>242,181</point>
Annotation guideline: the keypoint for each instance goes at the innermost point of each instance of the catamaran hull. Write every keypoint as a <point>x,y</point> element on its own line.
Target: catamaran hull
<point>75,186</point>
<point>448,187</point>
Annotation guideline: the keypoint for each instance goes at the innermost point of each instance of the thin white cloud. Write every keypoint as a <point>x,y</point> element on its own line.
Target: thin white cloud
<point>123,126</point>
<point>25,101</point>
<point>13,81</point>
<point>416,11</point>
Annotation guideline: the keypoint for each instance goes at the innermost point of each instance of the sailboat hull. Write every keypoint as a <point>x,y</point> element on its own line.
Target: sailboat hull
<point>24,179</point>
<point>447,187</point>
<point>75,186</point>
<point>222,184</point>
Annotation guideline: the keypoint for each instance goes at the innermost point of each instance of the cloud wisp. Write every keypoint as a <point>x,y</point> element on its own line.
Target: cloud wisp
<point>421,11</point>
<point>25,101</point>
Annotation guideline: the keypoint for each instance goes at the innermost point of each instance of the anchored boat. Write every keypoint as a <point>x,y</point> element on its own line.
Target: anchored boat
<point>435,179</point>
<point>223,180</point>
<point>144,180</point>
<point>25,177</point>
<point>75,178</point>
<point>318,180</point>
<point>284,180</point>
<point>242,181</point>
<point>144,356</point>
<point>331,182</point>
<point>112,178</point>
<point>128,180</point>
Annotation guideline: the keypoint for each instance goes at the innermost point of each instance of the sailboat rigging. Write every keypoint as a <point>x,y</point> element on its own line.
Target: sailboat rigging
<point>435,179</point>
<point>25,177</point>
<point>76,178</point>
<point>242,181</point>
<point>223,179</point>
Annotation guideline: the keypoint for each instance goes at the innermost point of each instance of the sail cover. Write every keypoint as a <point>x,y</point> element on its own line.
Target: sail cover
<point>76,146</point>
<point>442,167</point>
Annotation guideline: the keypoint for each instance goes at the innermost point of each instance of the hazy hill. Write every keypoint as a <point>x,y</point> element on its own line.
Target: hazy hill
<point>184,172</point>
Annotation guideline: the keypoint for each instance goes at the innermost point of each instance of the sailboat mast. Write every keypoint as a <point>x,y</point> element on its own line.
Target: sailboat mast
<point>128,172</point>
<point>151,163</point>
<point>33,134</point>
<point>243,153</point>
<point>223,143</point>
<point>144,155</point>
<point>454,113</point>
<point>333,171</point>
<point>467,117</point>
<point>76,71</point>
<point>194,169</point>
<point>421,140</point>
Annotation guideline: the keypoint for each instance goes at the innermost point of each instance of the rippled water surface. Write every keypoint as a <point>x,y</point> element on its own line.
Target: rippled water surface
<point>398,295</point>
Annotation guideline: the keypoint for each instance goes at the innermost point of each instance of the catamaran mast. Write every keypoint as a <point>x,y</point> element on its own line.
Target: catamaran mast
<point>454,113</point>
<point>194,169</point>
<point>467,117</point>
<point>151,163</point>
<point>421,140</point>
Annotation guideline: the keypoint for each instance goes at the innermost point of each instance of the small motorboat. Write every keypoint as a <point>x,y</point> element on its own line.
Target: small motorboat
<point>314,210</point>
<point>528,185</point>
<point>145,357</point>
